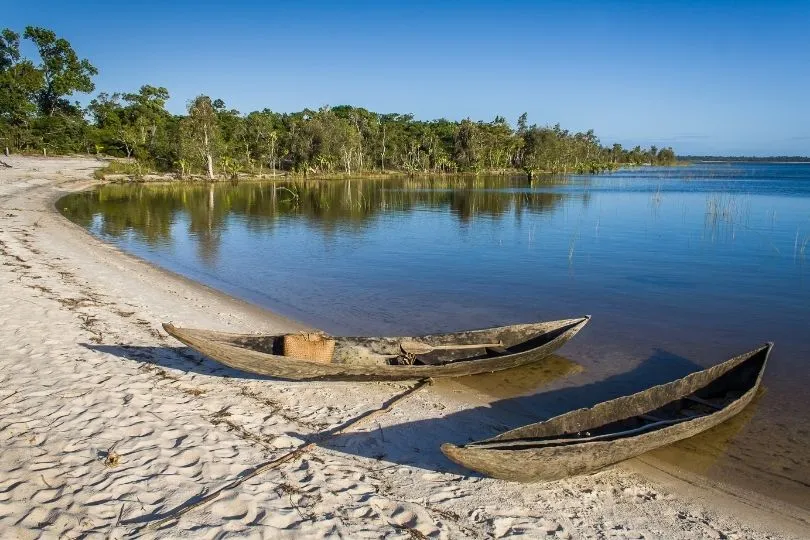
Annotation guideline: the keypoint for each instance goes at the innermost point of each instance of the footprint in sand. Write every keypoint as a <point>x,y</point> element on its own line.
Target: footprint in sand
<point>446,493</point>
<point>406,515</point>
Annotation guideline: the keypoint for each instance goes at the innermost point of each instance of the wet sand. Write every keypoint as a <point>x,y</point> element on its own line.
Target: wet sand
<point>87,374</point>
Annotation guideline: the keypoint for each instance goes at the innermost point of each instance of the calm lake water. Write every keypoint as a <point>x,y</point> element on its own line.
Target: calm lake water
<point>680,267</point>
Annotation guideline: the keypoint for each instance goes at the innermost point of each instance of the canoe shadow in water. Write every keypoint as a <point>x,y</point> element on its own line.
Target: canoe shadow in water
<point>417,443</point>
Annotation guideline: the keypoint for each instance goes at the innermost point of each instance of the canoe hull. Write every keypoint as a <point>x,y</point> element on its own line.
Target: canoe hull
<point>225,348</point>
<point>548,463</point>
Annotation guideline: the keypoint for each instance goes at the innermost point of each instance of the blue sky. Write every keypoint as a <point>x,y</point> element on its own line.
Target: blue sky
<point>703,77</point>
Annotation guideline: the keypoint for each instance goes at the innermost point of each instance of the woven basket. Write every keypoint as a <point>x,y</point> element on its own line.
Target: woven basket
<point>314,347</point>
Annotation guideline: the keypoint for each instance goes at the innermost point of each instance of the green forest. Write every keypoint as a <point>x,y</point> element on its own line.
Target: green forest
<point>215,141</point>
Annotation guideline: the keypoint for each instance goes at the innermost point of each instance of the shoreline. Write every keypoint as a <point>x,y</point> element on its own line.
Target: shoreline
<point>254,310</point>
<point>87,289</point>
<point>155,177</point>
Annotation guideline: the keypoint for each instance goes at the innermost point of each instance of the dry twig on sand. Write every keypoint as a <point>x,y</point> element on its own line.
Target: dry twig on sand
<point>291,456</point>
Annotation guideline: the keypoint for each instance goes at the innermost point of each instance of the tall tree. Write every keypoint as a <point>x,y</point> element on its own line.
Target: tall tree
<point>147,111</point>
<point>115,128</point>
<point>201,132</point>
<point>9,48</point>
<point>63,72</point>
<point>468,151</point>
<point>20,80</point>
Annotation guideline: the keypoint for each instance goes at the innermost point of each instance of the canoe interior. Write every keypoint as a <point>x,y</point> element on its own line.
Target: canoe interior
<point>385,351</point>
<point>712,398</point>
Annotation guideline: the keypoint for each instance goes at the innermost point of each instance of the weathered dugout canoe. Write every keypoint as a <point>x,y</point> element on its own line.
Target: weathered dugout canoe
<point>364,358</point>
<point>586,440</point>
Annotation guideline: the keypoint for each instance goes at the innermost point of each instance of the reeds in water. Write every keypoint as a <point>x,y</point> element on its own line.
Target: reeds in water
<point>800,246</point>
<point>727,211</point>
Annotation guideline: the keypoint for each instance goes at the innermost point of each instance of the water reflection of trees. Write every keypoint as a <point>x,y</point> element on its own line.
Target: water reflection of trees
<point>150,210</point>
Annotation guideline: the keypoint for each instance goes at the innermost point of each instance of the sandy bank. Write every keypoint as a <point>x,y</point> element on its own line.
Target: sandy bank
<point>85,371</point>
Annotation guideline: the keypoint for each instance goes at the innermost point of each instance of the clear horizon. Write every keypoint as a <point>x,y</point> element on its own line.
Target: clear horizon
<point>725,79</point>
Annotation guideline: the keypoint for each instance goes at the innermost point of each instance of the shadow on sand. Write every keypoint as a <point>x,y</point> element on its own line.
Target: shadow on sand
<point>179,358</point>
<point>417,443</point>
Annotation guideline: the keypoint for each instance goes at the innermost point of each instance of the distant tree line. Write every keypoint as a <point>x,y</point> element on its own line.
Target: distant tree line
<point>36,114</point>
<point>752,159</point>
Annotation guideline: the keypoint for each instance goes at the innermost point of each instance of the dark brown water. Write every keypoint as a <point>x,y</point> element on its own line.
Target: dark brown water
<point>681,268</point>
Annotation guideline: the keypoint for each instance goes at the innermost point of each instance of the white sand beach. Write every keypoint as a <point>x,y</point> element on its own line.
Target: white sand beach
<point>107,424</point>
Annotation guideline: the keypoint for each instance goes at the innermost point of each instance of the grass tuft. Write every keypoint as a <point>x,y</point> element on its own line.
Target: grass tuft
<point>119,167</point>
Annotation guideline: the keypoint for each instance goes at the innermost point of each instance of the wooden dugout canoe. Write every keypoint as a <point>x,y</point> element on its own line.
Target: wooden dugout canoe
<point>364,358</point>
<point>586,440</point>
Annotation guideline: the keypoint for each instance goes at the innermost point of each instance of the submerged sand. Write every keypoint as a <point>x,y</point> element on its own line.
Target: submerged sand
<point>107,424</point>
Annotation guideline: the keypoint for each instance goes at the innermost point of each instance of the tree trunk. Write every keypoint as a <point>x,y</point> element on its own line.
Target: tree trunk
<point>382,162</point>
<point>208,158</point>
<point>210,162</point>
